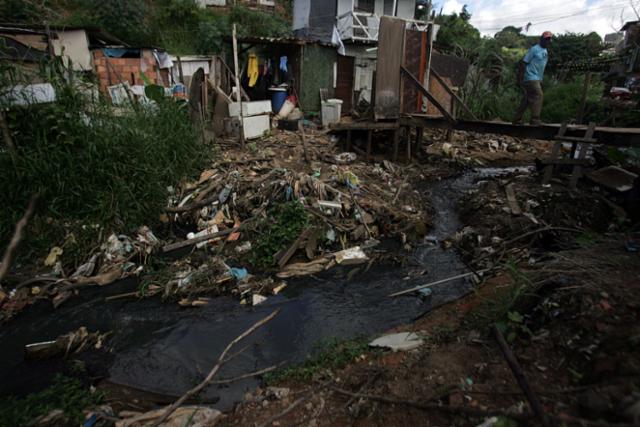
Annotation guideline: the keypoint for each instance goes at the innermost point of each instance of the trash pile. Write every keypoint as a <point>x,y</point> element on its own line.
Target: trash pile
<point>479,149</point>
<point>504,214</point>
<point>120,256</point>
<point>346,206</point>
<point>72,343</point>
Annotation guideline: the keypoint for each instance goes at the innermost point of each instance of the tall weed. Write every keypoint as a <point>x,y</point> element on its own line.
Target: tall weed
<point>95,169</point>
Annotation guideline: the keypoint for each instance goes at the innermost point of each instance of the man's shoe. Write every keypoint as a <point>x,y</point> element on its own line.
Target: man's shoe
<point>535,122</point>
<point>517,123</point>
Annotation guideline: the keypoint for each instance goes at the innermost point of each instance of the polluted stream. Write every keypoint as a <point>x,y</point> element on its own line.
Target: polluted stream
<point>166,349</point>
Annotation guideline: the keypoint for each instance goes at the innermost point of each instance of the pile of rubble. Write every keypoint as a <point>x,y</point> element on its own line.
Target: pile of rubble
<point>504,214</point>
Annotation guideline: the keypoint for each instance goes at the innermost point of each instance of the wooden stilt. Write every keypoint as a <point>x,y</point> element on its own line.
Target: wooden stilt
<point>369,142</point>
<point>396,142</point>
<point>407,133</point>
<point>348,148</point>
<point>419,136</point>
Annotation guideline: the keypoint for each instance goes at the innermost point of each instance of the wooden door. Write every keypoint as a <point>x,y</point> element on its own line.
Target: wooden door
<point>390,56</point>
<point>344,82</point>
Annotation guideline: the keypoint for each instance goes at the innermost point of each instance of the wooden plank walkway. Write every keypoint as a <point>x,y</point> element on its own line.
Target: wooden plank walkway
<point>617,137</point>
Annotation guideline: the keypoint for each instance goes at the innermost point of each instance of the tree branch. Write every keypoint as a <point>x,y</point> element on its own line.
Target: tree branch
<point>17,237</point>
<point>197,389</point>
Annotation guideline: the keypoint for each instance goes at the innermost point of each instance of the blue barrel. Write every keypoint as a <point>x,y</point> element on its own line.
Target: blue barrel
<point>278,97</point>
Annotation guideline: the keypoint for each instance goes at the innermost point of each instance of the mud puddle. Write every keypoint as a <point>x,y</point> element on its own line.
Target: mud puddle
<point>166,349</point>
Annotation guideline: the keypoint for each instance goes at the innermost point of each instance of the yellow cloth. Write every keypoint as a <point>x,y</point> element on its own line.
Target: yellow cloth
<point>252,70</point>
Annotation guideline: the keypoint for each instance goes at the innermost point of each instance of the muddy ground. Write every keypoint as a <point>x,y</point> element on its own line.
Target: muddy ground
<point>557,278</point>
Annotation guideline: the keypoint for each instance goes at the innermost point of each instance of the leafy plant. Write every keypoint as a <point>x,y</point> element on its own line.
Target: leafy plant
<point>284,223</point>
<point>502,308</point>
<point>66,394</point>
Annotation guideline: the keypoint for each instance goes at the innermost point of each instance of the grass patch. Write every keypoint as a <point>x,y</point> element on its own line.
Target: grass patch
<point>66,394</point>
<point>329,355</point>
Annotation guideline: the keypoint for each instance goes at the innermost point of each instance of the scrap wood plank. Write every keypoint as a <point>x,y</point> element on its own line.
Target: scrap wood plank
<point>453,94</point>
<point>429,96</point>
<point>512,200</point>
<point>284,259</point>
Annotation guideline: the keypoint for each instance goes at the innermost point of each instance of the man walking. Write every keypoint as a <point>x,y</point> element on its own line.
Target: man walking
<point>530,74</point>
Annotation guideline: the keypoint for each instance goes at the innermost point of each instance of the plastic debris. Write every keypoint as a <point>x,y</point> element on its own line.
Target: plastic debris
<point>257,299</point>
<point>345,158</point>
<point>53,256</point>
<point>403,341</point>
<point>243,248</point>
<point>239,273</point>
<point>351,256</point>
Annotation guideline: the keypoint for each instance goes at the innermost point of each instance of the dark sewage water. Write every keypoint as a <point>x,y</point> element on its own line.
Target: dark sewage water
<point>166,349</point>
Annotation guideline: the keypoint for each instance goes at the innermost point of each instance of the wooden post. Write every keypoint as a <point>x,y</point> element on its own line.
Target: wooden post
<point>349,136</point>
<point>180,73</point>
<point>369,142</point>
<point>396,141</point>
<point>407,135</point>
<point>47,30</point>
<point>304,140</point>
<point>237,77</point>
<point>583,101</point>
<point>419,136</point>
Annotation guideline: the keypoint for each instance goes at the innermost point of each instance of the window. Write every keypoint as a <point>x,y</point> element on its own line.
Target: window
<point>388,7</point>
<point>367,6</point>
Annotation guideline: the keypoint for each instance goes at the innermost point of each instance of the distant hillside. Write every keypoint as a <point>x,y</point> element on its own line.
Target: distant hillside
<point>177,25</point>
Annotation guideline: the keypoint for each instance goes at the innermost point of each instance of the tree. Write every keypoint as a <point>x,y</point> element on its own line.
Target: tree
<point>572,47</point>
<point>456,34</point>
<point>510,37</point>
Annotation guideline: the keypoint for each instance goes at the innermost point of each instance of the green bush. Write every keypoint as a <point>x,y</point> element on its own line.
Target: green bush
<point>66,394</point>
<point>94,169</point>
<point>562,101</point>
<point>284,223</point>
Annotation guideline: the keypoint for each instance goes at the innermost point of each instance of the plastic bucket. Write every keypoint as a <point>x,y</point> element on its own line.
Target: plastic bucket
<point>331,111</point>
<point>278,96</point>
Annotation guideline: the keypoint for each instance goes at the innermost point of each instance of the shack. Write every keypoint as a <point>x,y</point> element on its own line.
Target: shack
<point>302,67</point>
<point>132,66</point>
<point>72,44</point>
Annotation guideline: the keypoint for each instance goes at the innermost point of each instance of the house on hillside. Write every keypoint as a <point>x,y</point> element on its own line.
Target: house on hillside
<point>626,73</point>
<point>260,4</point>
<point>72,44</point>
<point>85,50</point>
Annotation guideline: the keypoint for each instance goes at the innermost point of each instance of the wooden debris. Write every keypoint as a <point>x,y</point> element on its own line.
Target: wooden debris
<point>521,378</point>
<point>284,259</point>
<point>512,200</point>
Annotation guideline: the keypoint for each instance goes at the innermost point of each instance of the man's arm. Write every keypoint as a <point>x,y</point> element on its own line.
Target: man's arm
<point>523,64</point>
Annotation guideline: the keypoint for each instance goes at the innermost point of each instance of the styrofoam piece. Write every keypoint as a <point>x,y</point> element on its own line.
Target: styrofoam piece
<point>331,111</point>
<point>252,108</point>
<point>256,126</point>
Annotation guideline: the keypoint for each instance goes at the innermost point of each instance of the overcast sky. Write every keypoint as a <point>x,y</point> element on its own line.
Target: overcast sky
<point>559,16</point>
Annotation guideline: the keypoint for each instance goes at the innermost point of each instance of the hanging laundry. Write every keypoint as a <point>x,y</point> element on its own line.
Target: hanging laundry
<point>252,70</point>
<point>283,63</point>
